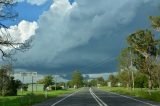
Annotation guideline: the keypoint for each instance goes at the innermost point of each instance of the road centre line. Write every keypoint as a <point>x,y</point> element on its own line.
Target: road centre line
<point>99,101</point>
<point>95,98</point>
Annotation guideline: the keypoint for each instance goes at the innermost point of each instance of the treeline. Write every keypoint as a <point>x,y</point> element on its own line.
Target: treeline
<point>139,62</point>
<point>78,80</point>
<point>52,83</point>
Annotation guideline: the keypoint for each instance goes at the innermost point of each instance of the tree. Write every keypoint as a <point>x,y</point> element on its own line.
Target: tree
<point>100,81</point>
<point>93,82</point>
<point>124,77</point>
<point>145,46</point>
<point>70,84</point>
<point>113,79</point>
<point>47,81</point>
<point>141,80</point>
<point>155,22</point>
<point>156,75</point>
<point>124,58</point>
<point>13,86</point>
<point>7,41</point>
<point>8,47</point>
<point>8,86</point>
<point>77,79</point>
<point>86,83</point>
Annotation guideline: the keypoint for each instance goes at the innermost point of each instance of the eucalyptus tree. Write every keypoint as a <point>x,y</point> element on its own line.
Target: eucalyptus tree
<point>155,22</point>
<point>156,72</point>
<point>77,78</point>
<point>144,45</point>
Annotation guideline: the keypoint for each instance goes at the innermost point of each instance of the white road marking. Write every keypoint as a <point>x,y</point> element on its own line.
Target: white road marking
<point>64,98</point>
<point>131,98</point>
<point>95,98</point>
<point>99,101</point>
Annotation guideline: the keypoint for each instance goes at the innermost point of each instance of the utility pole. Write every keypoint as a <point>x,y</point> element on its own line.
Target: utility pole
<point>129,78</point>
<point>55,83</point>
<point>132,70</point>
<point>22,75</point>
<point>22,85</point>
<point>32,84</point>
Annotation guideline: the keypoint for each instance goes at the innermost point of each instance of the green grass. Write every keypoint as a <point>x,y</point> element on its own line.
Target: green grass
<point>141,93</point>
<point>27,99</point>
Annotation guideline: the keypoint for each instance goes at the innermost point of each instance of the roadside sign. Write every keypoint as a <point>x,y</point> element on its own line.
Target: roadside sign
<point>28,74</point>
<point>24,74</point>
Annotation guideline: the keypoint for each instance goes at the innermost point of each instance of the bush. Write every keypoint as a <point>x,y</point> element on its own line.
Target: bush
<point>57,88</point>
<point>8,86</point>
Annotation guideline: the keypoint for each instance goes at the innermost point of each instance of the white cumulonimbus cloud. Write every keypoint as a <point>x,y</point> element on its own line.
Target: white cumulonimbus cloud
<point>21,32</point>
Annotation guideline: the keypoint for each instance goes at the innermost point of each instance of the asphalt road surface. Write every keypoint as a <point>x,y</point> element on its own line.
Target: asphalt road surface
<point>95,97</point>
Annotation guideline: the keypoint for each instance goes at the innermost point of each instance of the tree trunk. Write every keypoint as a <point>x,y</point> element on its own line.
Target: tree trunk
<point>149,84</point>
<point>149,76</point>
<point>133,80</point>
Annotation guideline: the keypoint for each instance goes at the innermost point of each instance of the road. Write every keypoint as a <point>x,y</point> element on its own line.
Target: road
<point>95,97</point>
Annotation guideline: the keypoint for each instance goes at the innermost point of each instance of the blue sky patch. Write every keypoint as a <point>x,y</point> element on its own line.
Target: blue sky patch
<point>27,12</point>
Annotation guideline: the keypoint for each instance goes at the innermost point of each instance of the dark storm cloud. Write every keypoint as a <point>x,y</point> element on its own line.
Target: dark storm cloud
<point>87,35</point>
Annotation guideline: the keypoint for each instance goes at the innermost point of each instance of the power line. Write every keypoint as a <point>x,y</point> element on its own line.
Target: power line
<point>92,66</point>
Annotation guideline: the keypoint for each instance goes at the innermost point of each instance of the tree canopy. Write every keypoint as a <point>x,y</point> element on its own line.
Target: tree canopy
<point>77,78</point>
<point>47,81</point>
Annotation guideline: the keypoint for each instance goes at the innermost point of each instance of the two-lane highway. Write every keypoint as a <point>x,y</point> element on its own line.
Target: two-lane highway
<point>80,98</point>
<point>95,97</point>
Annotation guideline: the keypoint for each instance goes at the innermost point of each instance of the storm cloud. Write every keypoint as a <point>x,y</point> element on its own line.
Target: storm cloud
<point>86,35</point>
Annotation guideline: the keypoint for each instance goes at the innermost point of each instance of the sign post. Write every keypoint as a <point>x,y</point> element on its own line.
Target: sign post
<point>28,74</point>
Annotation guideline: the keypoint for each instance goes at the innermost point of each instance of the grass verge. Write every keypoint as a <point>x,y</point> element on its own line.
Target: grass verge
<point>28,98</point>
<point>140,93</point>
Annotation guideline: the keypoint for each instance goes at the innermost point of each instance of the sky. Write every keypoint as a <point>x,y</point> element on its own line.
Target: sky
<point>85,35</point>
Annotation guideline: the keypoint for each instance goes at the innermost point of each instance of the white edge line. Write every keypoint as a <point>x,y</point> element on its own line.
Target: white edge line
<point>130,98</point>
<point>64,98</point>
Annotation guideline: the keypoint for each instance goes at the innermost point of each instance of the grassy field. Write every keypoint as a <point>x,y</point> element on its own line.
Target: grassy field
<point>141,93</point>
<point>27,99</point>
